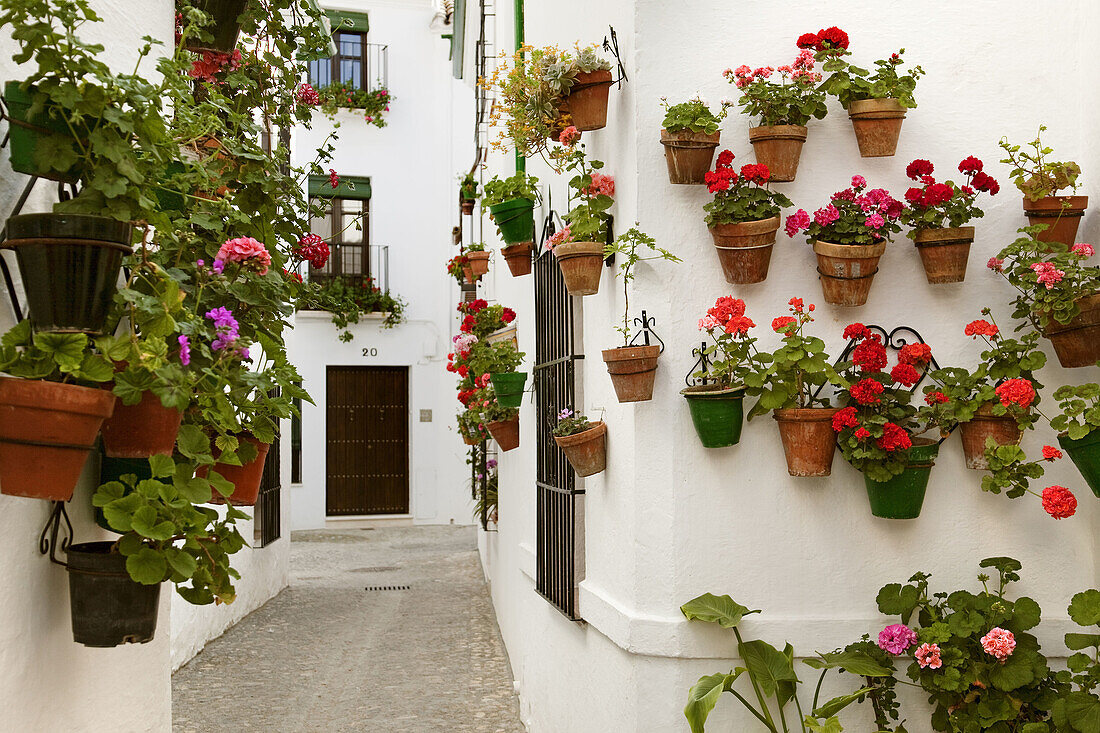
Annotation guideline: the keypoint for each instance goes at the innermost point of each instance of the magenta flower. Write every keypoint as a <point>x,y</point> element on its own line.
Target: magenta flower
<point>225,328</point>
<point>858,182</point>
<point>185,350</point>
<point>827,215</point>
<point>1083,249</point>
<point>896,639</point>
<point>796,222</point>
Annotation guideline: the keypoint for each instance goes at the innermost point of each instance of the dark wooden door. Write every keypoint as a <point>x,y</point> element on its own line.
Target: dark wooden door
<point>368,440</point>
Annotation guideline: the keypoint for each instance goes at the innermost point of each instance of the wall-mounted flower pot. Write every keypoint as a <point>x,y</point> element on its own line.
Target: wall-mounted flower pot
<point>808,439</point>
<point>1085,454</point>
<point>47,430</point>
<point>847,271</point>
<point>477,264</point>
<point>1077,343</point>
<point>113,469</point>
<point>1060,214</point>
<point>515,220</point>
<point>586,451</point>
<point>518,258</point>
<point>745,249</point>
<point>509,387</point>
<point>718,414</point>
<point>985,424</point>
<point>69,264</point>
<point>142,430</point>
<point>470,441</point>
<point>581,265</point>
<point>633,370</point>
<point>902,496</point>
<point>467,206</point>
<point>587,100</point>
<point>245,478</point>
<point>944,253</point>
<point>108,607</point>
<point>505,433</point>
<point>688,155</point>
<point>28,133</point>
<point>225,28</point>
<point>877,124</point>
<point>779,147</point>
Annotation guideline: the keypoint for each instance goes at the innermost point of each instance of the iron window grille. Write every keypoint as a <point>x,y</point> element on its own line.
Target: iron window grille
<point>267,514</point>
<point>358,64</point>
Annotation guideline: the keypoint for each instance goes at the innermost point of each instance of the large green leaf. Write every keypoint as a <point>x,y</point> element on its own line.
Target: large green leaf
<point>1084,608</point>
<point>1026,613</point>
<point>192,443</point>
<point>1082,641</point>
<point>897,600</point>
<point>1083,711</point>
<point>767,665</point>
<point>834,706</point>
<point>858,663</point>
<point>703,696</point>
<point>721,610</point>
<point>147,567</point>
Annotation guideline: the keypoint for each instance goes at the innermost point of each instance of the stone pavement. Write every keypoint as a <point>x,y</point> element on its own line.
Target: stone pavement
<point>328,655</point>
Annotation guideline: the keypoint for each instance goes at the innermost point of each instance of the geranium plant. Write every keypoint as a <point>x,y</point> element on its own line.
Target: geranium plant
<point>855,215</point>
<point>733,356</point>
<point>570,423</point>
<point>1049,277</point>
<point>1077,710</point>
<point>935,205</point>
<point>456,268</point>
<point>787,95</point>
<point>517,186</point>
<point>693,115</point>
<point>627,245</point>
<point>371,103</point>
<point>1035,175</point>
<point>740,197</point>
<point>1011,471</point>
<point>1078,410</point>
<point>348,299</point>
<point>848,82</point>
<point>593,191</point>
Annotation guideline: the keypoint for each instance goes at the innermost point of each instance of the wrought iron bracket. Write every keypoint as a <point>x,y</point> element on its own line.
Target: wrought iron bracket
<point>701,365</point>
<point>645,325</point>
<point>609,261</point>
<point>611,44</point>
<point>895,340</point>
<point>48,541</point>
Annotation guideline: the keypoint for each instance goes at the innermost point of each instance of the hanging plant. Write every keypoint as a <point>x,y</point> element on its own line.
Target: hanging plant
<point>689,134</point>
<point>1040,180</point>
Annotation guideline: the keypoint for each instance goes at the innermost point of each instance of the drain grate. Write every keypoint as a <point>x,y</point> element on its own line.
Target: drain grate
<point>386,587</point>
<point>378,569</point>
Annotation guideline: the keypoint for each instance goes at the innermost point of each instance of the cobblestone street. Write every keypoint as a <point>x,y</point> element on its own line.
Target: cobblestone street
<point>328,655</point>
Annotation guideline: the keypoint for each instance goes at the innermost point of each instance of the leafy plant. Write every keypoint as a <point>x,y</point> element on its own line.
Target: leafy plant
<point>851,217</point>
<point>348,299</point>
<point>626,245</point>
<point>517,186</point>
<point>592,194</point>
<point>794,99</point>
<point>740,198</point>
<point>456,268</point>
<point>936,205</point>
<point>849,83</point>
<point>468,187</point>
<point>1033,174</point>
<point>570,423</point>
<point>373,103</point>
<point>1078,410</point>
<point>1078,710</point>
<point>52,357</point>
<point>1049,277</point>
<point>733,355</point>
<point>693,115</point>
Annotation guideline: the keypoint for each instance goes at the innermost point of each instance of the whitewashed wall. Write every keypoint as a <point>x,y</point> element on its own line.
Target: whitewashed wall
<point>669,519</point>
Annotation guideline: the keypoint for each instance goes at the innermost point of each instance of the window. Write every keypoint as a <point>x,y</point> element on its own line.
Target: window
<point>351,64</point>
<point>344,223</point>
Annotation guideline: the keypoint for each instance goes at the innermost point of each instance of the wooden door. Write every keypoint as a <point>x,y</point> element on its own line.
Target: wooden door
<point>368,440</point>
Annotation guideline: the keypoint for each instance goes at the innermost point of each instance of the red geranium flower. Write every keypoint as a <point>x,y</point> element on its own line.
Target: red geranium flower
<point>831,37</point>
<point>725,158</point>
<point>856,331</point>
<point>936,398</point>
<point>970,165</point>
<point>1016,392</point>
<point>870,355</point>
<point>508,315</point>
<point>915,354</point>
<point>1059,502</point>
<point>919,167</point>
<point>807,40</point>
<point>985,182</point>
<point>845,418</point>
<point>862,434</point>
<point>905,374</point>
<point>1050,453</point>
<point>782,323</point>
<point>894,437</point>
<point>981,327</point>
<point>866,391</point>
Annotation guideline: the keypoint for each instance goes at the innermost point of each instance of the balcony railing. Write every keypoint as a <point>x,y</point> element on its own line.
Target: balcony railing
<point>378,66</point>
<point>347,261</point>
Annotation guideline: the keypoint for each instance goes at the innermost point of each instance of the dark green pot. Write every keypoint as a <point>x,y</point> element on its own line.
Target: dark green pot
<point>903,495</point>
<point>113,469</point>
<point>28,132</point>
<point>717,414</point>
<point>1085,454</point>
<point>167,198</point>
<point>225,28</point>
<point>509,387</point>
<point>108,607</point>
<point>515,220</point>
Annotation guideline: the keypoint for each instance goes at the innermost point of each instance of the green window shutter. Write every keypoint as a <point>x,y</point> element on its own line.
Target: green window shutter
<point>458,43</point>
<point>343,20</point>
<point>351,187</point>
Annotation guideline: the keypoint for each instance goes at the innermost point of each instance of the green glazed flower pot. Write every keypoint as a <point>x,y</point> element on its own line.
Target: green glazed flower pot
<point>717,413</point>
<point>902,496</point>
<point>1085,454</point>
<point>509,387</point>
<point>28,132</point>
<point>515,219</point>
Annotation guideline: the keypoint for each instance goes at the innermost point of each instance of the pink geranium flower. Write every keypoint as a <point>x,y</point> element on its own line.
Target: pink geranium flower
<point>896,639</point>
<point>246,251</point>
<point>928,655</point>
<point>1000,643</point>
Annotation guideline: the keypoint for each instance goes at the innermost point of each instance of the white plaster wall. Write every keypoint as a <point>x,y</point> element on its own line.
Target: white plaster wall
<point>669,519</point>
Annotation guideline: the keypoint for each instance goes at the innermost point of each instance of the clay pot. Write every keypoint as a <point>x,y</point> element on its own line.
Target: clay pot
<point>518,258</point>
<point>779,147</point>
<point>944,253</point>
<point>47,430</point>
<point>505,433</point>
<point>246,478</point>
<point>470,441</point>
<point>142,430</point>
<point>581,265</point>
<point>586,451</point>
<point>877,124</point>
<point>633,370</point>
<point>688,155</point>
<point>477,265</point>
<point>467,206</point>
<point>984,425</point>
<point>808,439</point>
<point>847,271</point>
<point>745,249</point>
<point>587,100</point>
<point>1060,214</point>
<point>1077,343</point>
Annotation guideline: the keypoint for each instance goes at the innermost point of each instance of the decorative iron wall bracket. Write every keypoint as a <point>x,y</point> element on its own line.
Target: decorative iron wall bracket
<point>611,44</point>
<point>895,340</point>
<point>701,366</point>
<point>645,324</point>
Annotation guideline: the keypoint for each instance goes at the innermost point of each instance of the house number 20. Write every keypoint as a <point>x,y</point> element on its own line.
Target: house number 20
<point>370,351</point>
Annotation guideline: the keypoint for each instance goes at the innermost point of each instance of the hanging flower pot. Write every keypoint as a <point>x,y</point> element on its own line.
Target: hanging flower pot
<point>113,469</point>
<point>688,155</point>
<point>633,370</point>
<point>1077,343</point>
<point>515,220</point>
<point>902,496</point>
<point>518,258</point>
<point>944,252</point>
<point>808,439</point>
<point>27,133</point>
<point>586,451</point>
<point>69,264</point>
<point>847,270</point>
<point>1085,454</point>
<point>717,412</point>
<point>505,433</point>
<point>469,440</point>
<point>142,430</point>
<point>581,265</point>
<point>509,387</point>
<point>47,430</point>
<point>779,147</point>
<point>1060,214</point>
<point>108,607</point>
<point>745,249</point>
<point>587,99</point>
<point>983,425</point>
<point>877,124</point>
<point>467,206</point>
<point>225,28</point>
<point>245,478</point>
<point>477,264</point>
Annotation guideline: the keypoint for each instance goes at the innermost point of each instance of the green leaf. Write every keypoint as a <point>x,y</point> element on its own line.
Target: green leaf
<point>834,706</point>
<point>1084,608</point>
<point>767,665</point>
<point>898,600</point>
<point>858,663</point>
<point>181,562</point>
<point>1026,613</point>
<point>721,610</point>
<point>147,567</point>
<point>192,442</point>
<point>1013,674</point>
<point>162,466</point>
<point>704,695</point>
<point>1083,711</point>
<point>1076,642</point>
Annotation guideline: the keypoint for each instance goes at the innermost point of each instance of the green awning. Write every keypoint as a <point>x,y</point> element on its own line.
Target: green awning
<point>325,30</point>
<point>343,20</point>
<point>351,187</point>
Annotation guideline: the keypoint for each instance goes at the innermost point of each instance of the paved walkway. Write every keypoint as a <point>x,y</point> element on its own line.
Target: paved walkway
<point>327,655</point>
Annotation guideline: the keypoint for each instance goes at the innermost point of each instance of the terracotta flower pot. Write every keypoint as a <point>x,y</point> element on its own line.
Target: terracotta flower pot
<point>586,451</point>
<point>779,147</point>
<point>808,439</point>
<point>847,271</point>
<point>1077,343</point>
<point>581,265</point>
<point>518,258</point>
<point>505,433</point>
<point>984,425</point>
<point>745,249</point>
<point>245,478</point>
<point>142,430</point>
<point>47,430</point>
<point>944,253</point>
<point>477,265</point>
<point>688,155</point>
<point>1060,214</point>
<point>877,124</point>
<point>633,370</point>
<point>467,206</point>
<point>587,100</point>
<point>470,441</point>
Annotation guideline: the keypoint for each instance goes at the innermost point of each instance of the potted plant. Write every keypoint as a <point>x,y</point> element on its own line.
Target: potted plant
<point>783,100</point>
<point>633,368</point>
<point>689,134</point>
<point>223,18</point>
<point>578,248</point>
<point>511,204</point>
<point>849,235</point>
<point>1078,426</point>
<point>372,104</point>
<point>1040,180</point>
<point>501,422</point>
<point>585,100</point>
<point>583,443</point>
<point>743,218</point>
<point>349,298</point>
<point>717,405</point>
<point>789,383</point>
<point>876,101</point>
<point>467,193</point>
<point>471,428</point>
<point>937,212</point>
<point>477,261</point>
